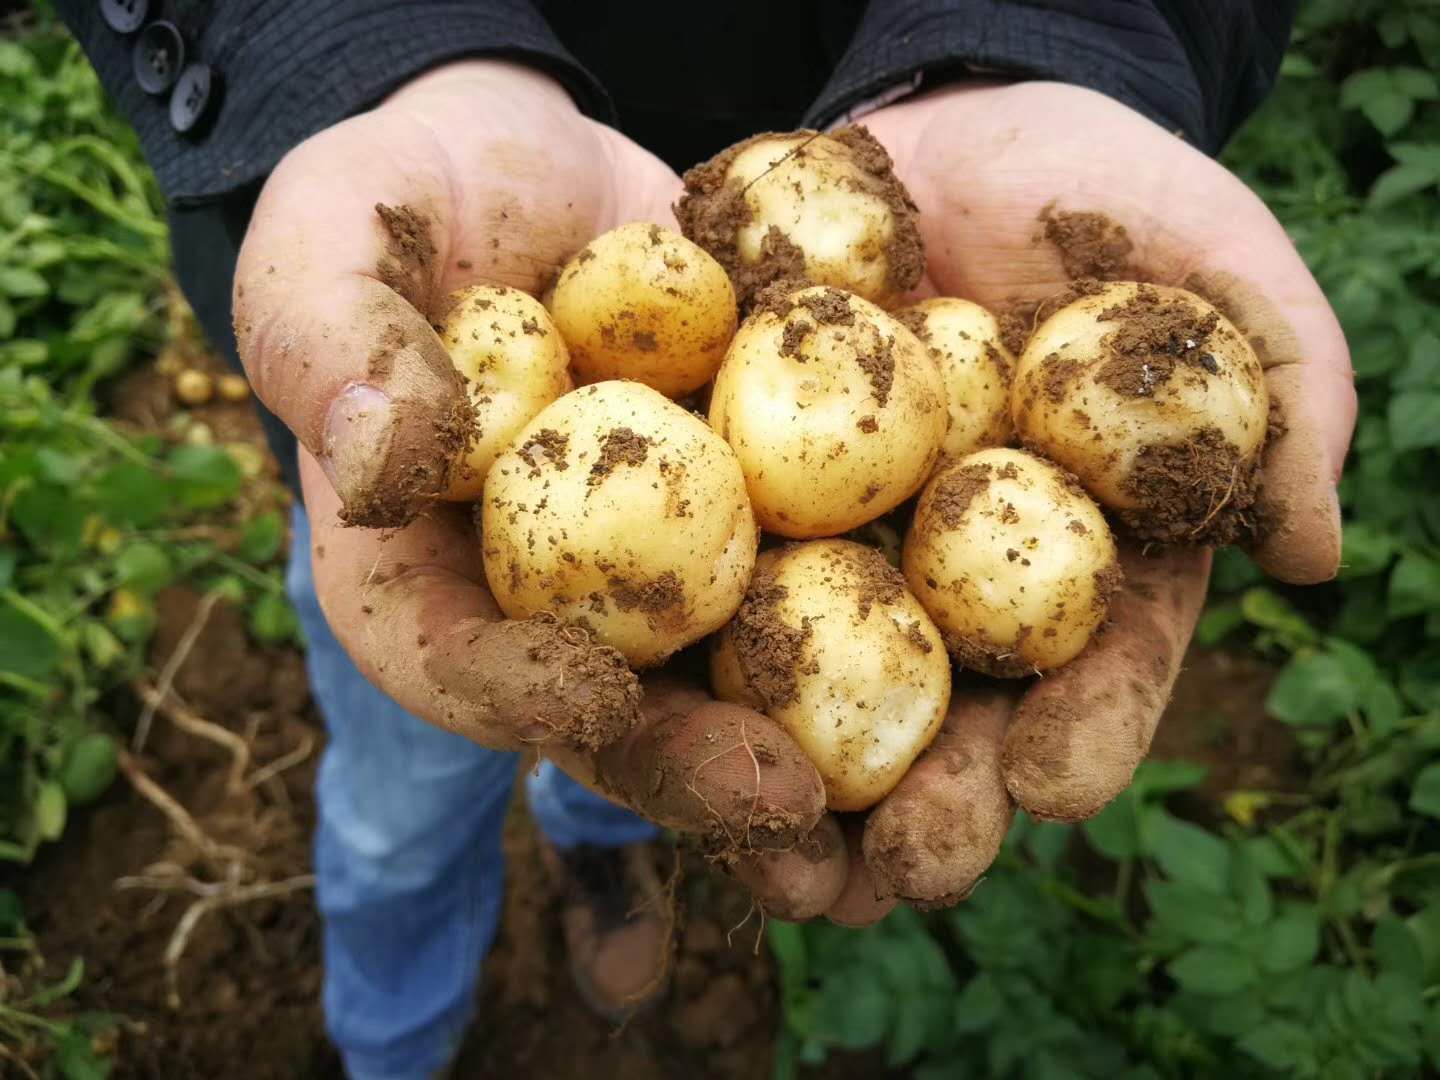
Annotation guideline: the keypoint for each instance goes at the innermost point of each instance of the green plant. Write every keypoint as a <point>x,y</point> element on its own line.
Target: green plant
<point>1288,934</point>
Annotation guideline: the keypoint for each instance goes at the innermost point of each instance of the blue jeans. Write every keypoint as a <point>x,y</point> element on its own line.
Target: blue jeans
<point>407,853</point>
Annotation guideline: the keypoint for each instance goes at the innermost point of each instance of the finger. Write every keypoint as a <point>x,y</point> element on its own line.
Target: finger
<point>1080,732</point>
<point>932,838</point>
<point>800,882</point>
<point>412,611</point>
<point>724,772</point>
<point>862,901</point>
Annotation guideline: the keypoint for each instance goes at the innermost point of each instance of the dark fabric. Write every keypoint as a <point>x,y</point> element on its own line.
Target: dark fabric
<point>290,68</point>
<point>683,80</point>
<point>1196,67</point>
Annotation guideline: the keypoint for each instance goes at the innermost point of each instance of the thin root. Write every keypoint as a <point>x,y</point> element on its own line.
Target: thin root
<point>172,667</point>
<point>186,719</point>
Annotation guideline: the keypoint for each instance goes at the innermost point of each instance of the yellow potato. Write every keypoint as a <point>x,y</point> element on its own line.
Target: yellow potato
<point>514,364</point>
<point>1155,402</point>
<point>834,409</point>
<point>830,644</point>
<point>641,302</point>
<point>964,340</point>
<point>1012,560</point>
<point>826,209</point>
<point>617,509</point>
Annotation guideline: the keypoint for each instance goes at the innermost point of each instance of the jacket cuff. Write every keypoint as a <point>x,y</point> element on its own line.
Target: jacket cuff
<point>280,72</point>
<point>1132,55</point>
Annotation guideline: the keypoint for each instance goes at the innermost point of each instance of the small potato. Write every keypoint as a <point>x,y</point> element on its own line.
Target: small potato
<point>804,206</point>
<point>835,411</point>
<point>641,302</point>
<point>830,644</point>
<point>1156,402</point>
<point>964,340</point>
<point>1012,560</point>
<point>617,509</point>
<point>514,364</point>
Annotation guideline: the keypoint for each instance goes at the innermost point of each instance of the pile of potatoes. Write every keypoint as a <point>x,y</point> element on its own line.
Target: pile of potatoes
<point>651,466</point>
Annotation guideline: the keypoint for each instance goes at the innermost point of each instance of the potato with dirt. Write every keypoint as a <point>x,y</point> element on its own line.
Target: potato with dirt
<point>644,303</point>
<point>1013,561</point>
<point>834,409</point>
<point>619,511</point>
<point>966,344</point>
<point>514,363</point>
<point>1156,402</point>
<point>831,644</point>
<point>826,209</point>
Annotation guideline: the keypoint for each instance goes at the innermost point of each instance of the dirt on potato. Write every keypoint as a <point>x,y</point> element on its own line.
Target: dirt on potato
<point>713,210</point>
<point>769,649</point>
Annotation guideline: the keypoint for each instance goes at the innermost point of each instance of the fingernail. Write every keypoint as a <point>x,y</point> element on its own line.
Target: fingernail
<point>357,437</point>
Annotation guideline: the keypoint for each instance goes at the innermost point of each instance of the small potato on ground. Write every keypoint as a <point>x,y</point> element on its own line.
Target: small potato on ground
<point>617,509</point>
<point>641,302</point>
<point>826,209</point>
<point>1156,403</point>
<point>1012,560</point>
<point>966,343</point>
<point>831,644</point>
<point>514,364</point>
<point>834,409</point>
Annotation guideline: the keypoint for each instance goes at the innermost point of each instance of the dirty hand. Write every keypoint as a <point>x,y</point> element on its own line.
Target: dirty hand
<point>983,162</point>
<point>486,172</point>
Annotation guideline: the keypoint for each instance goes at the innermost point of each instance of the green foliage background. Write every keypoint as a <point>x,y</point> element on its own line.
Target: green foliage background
<point>1302,938</point>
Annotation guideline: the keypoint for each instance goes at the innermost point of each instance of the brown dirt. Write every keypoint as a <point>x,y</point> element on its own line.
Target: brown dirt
<point>877,582</point>
<point>955,490</point>
<point>409,262</point>
<point>768,648</point>
<point>1089,244</point>
<point>879,368</point>
<point>1155,338</point>
<point>553,443</point>
<point>1198,492</point>
<point>915,321</point>
<point>713,209</point>
<point>619,446</point>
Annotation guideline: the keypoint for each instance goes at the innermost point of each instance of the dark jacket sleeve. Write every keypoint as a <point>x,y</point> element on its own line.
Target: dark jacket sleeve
<point>281,70</point>
<point>1196,67</point>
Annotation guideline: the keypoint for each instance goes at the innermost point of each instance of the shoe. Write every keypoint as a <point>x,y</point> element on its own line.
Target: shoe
<point>619,924</point>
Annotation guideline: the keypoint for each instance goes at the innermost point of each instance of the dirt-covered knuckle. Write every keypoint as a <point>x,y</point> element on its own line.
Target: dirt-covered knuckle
<point>532,682</point>
<point>800,882</point>
<point>722,771</point>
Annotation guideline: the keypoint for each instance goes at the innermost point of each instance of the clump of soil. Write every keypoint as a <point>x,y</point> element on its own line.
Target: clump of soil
<point>769,649</point>
<point>1090,245</point>
<point>618,446</point>
<point>409,262</point>
<point>879,367</point>
<point>547,444</point>
<point>1155,337</point>
<point>988,657</point>
<point>879,582</point>
<point>955,491</point>
<point>1197,492</point>
<point>914,321</point>
<point>664,595</point>
<point>713,210</point>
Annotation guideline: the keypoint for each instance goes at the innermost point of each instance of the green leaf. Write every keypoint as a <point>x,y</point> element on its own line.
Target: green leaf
<point>979,1005</point>
<point>1165,777</point>
<point>49,810</point>
<point>1115,831</point>
<point>12,914</point>
<point>1213,970</point>
<point>1193,914</point>
<point>1367,549</point>
<point>1415,419</point>
<point>131,494</point>
<point>273,621</point>
<point>1218,622</point>
<point>261,540</point>
<point>76,1059</point>
<point>1282,1045</point>
<point>1187,853</point>
<point>88,768</point>
<point>22,283</point>
<point>1420,680</point>
<point>1396,949</point>
<point>1414,585</point>
<point>144,566</point>
<point>1291,941</point>
<point>1425,792</point>
<point>1423,368</point>
<point>1268,610</point>
<point>1313,690</point>
<point>205,476</point>
<point>31,651</point>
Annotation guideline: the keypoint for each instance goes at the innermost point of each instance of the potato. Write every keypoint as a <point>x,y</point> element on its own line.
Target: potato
<point>641,302</point>
<point>803,206</point>
<point>834,408</point>
<point>1156,402</point>
<point>830,644</point>
<point>514,364</point>
<point>616,509</point>
<point>964,341</point>
<point>1012,560</point>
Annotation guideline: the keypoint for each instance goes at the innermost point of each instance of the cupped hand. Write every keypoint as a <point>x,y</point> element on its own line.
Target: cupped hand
<point>985,164</point>
<point>481,171</point>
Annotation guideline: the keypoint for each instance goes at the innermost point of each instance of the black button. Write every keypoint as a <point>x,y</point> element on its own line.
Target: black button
<point>192,97</point>
<point>124,16</point>
<point>159,55</point>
